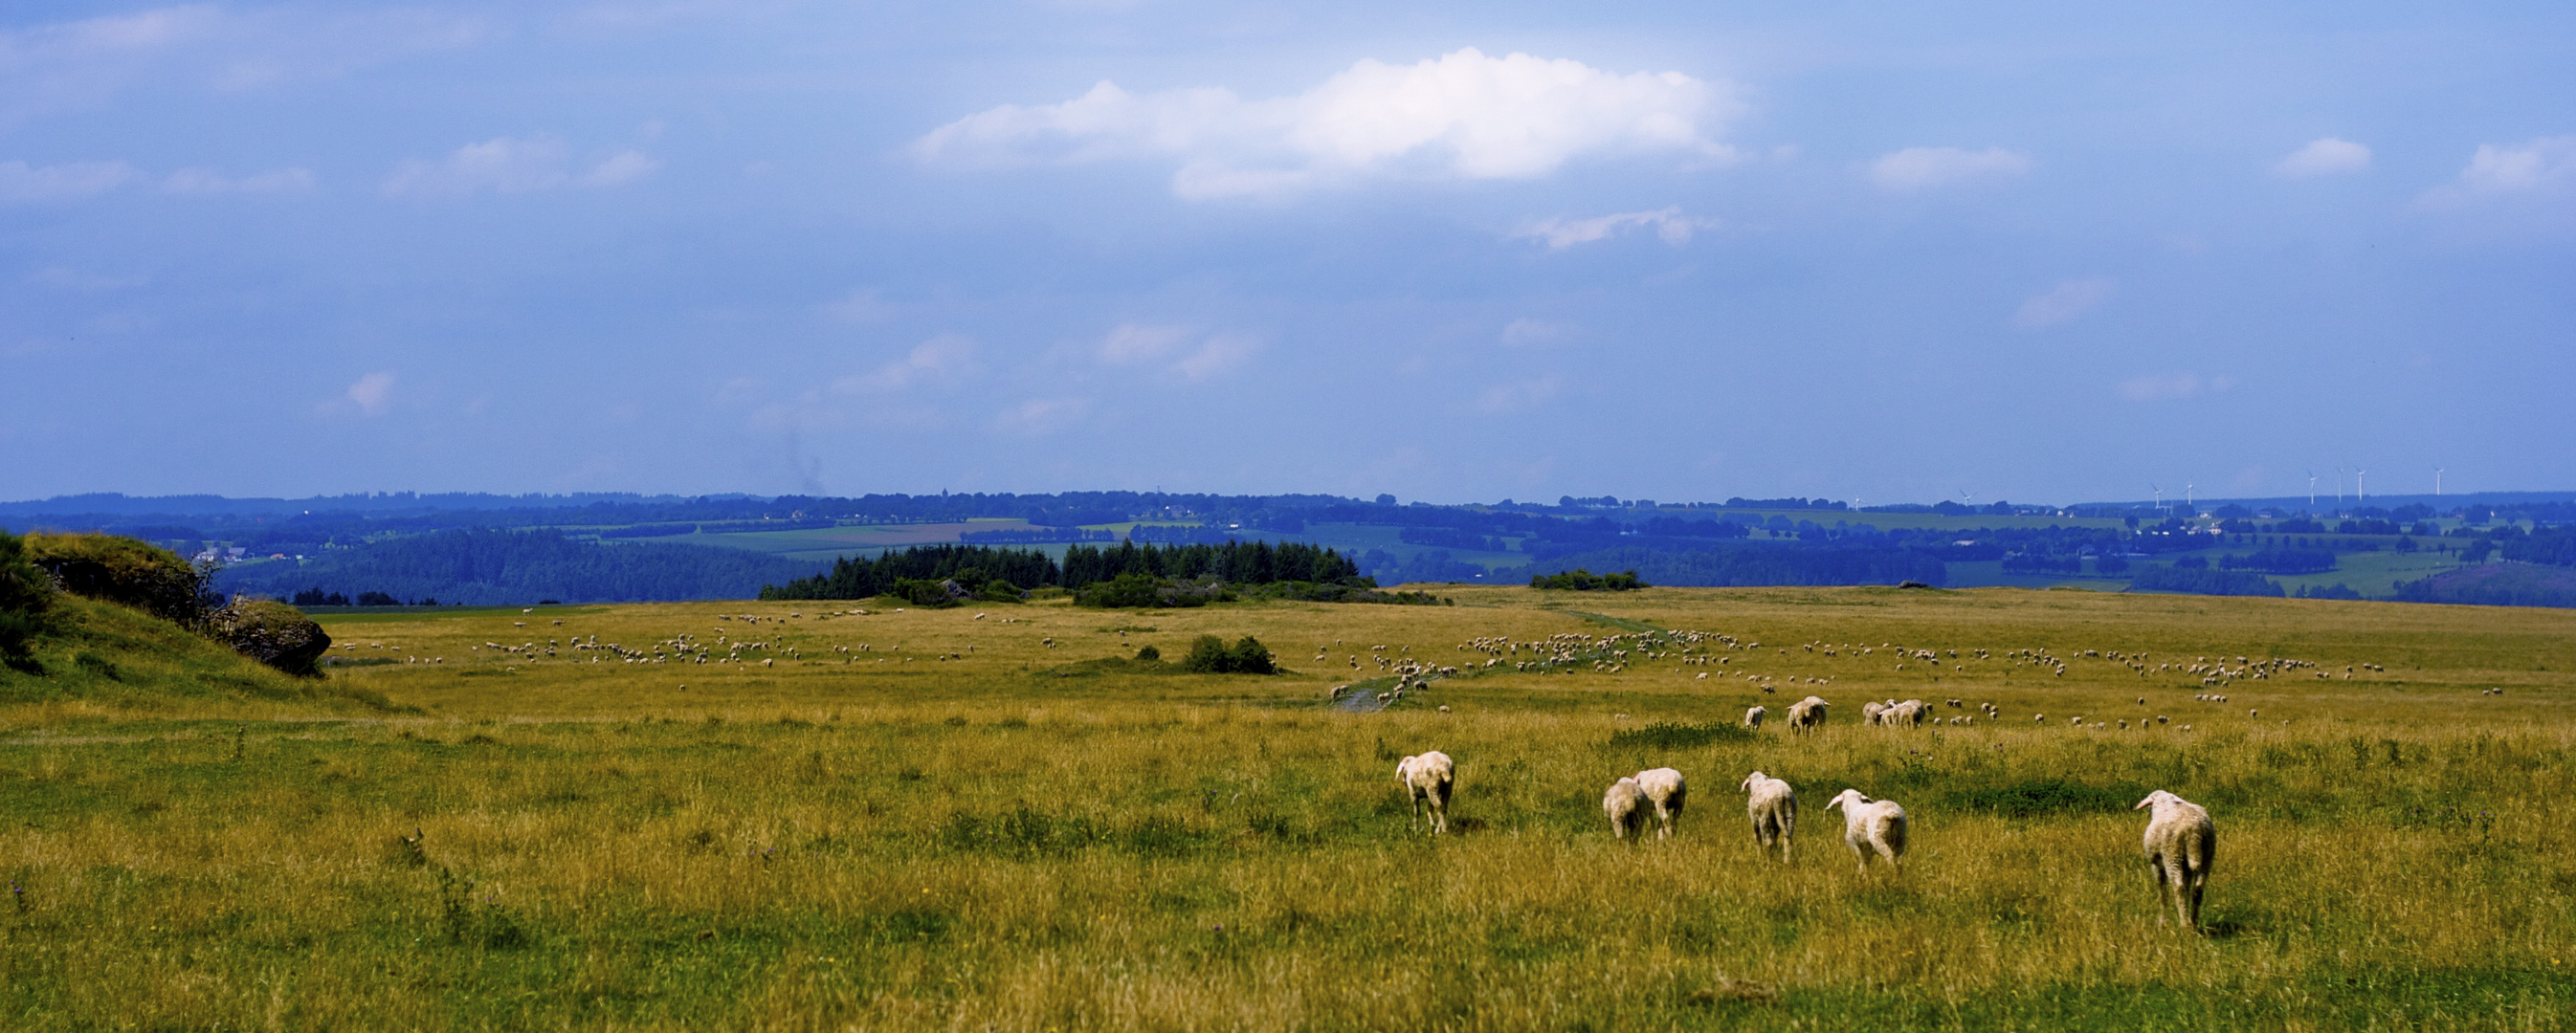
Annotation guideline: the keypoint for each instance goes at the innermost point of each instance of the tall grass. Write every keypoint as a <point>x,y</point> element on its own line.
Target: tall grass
<point>964,843</point>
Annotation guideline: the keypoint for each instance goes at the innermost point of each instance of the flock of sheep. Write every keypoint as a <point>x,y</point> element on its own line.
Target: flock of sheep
<point>2181,842</point>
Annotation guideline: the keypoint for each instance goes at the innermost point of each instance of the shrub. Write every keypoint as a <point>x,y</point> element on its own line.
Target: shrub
<point>26,602</point>
<point>1210,655</point>
<point>1580,580</point>
<point>2039,797</point>
<point>1149,653</point>
<point>123,570</point>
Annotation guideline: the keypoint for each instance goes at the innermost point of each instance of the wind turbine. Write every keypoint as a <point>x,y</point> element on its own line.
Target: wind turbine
<point>2186,496</point>
<point>2358,494</point>
<point>2312,490</point>
<point>2437,482</point>
<point>2338,487</point>
<point>2160,497</point>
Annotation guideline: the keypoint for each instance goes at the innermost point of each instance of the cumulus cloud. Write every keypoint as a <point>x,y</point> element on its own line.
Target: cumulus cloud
<point>1463,115</point>
<point>944,359</point>
<point>372,395</point>
<point>1925,168</point>
<point>209,181</point>
<point>2546,162</point>
<point>2326,156</point>
<point>508,165</point>
<point>1532,333</point>
<point>2062,303</point>
<point>70,181</point>
<point>1044,415</point>
<point>2166,386</point>
<point>1179,348</point>
<point>1668,223</point>
<point>1511,397</point>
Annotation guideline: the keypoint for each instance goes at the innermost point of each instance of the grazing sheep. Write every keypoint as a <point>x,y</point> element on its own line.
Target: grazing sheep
<point>1807,714</point>
<point>1871,825</point>
<point>1773,806</point>
<point>1428,780</point>
<point>1870,711</point>
<point>1625,803</point>
<point>2181,843</point>
<point>1753,717</point>
<point>1665,787</point>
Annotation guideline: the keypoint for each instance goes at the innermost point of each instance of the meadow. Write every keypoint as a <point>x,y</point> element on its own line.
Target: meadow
<point>996,818</point>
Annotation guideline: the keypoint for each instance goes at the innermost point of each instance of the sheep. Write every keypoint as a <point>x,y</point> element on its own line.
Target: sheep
<point>1773,806</point>
<point>1871,825</point>
<point>1808,713</point>
<point>1428,780</point>
<point>1665,787</point>
<point>2180,845</point>
<point>1870,711</point>
<point>1625,803</point>
<point>1753,717</point>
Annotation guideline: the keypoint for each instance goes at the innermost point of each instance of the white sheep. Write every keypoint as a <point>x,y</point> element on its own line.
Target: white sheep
<point>1773,806</point>
<point>1664,786</point>
<point>1625,803</point>
<point>1871,825</point>
<point>1428,779</point>
<point>2181,843</point>
<point>1753,717</point>
<point>1870,711</point>
<point>1806,714</point>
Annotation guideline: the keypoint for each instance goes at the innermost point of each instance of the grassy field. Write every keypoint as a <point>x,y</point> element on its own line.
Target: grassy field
<point>971,822</point>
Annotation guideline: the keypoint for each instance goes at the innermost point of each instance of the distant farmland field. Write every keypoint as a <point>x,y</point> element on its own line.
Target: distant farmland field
<point>999,818</point>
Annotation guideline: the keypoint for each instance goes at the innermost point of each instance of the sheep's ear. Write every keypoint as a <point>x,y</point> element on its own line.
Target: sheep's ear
<point>2142,804</point>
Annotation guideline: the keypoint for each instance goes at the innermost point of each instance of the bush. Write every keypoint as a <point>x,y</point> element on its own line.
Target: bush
<point>1149,654</point>
<point>125,571</point>
<point>26,602</point>
<point>1580,580</point>
<point>2040,797</point>
<point>1209,655</point>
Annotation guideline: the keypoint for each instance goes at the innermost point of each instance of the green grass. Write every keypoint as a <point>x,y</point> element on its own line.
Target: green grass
<point>831,840</point>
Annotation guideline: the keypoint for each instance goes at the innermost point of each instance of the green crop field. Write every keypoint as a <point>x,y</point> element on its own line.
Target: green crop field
<point>997,819</point>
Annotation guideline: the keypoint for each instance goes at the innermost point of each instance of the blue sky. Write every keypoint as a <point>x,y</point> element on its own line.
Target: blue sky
<point>1454,252</point>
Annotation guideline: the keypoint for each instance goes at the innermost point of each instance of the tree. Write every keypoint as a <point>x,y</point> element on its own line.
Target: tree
<point>26,603</point>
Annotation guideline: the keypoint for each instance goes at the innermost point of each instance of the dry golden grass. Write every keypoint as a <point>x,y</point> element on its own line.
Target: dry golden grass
<point>980,843</point>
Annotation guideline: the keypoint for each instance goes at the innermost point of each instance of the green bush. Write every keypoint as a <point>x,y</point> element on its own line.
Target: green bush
<point>1210,655</point>
<point>1580,580</point>
<point>925,592</point>
<point>123,570</point>
<point>26,602</point>
<point>2040,797</point>
<point>1667,735</point>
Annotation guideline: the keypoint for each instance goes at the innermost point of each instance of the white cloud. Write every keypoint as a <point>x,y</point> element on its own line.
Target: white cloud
<point>1135,343</point>
<point>2535,165</point>
<point>1221,354</point>
<point>210,181</point>
<point>2326,156</point>
<point>1503,398</point>
<point>372,395</point>
<point>49,68</point>
<point>1531,333</point>
<point>1463,115</point>
<point>509,166</point>
<point>1669,224</point>
<point>1923,168</point>
<point>944,359</point>
<point>2161,387</point>
<point>2063,303</point>
<point>1044,415</point>
<point>71,181</point>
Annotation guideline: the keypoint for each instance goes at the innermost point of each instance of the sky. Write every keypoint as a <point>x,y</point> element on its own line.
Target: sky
<point>1453,252</point>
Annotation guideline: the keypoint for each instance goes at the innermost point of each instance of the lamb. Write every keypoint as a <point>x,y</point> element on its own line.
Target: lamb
<point>1428,780</point>
<point>2181,843</point>
<point>1773,806</point>
<point>1808,713</point>
<point>1870,711</point>
<point>1665,787</point>
<point>1871,825</point>
<point>1625,803</point>
<point>1753,717</point>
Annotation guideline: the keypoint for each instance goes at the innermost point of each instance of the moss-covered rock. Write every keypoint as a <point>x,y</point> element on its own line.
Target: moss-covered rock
<point>123,570</point>
<point>272,633</point>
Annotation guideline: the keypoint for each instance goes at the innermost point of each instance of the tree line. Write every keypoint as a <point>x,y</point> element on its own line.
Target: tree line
<point>979,569</point>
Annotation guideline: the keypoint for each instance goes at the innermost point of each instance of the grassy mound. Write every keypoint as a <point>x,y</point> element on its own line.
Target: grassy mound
<point>115,656</point>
